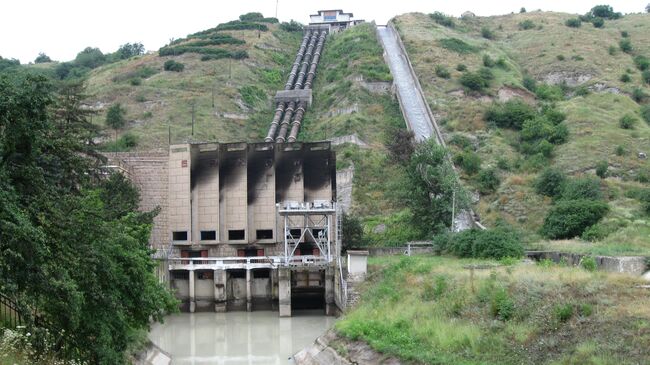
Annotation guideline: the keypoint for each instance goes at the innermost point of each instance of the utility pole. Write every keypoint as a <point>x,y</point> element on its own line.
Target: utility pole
<point>276,8</point>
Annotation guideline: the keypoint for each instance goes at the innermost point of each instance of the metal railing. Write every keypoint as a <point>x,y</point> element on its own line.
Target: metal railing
<point>10,316</point>
<point>253,262</point>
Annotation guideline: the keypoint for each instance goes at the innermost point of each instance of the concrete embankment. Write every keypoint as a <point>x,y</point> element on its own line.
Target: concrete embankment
<point>327,349</point>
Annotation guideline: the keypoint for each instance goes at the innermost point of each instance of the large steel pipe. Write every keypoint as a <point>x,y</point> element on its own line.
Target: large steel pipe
<point>284,126</point>
<point>276,120</point>
<point>301,51</point>
<point>305,63</point>
<point>314,62</point>
<point>297,120</point>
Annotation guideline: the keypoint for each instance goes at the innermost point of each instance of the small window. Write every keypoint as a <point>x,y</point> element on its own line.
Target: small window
<point>295,233</point>
<point>180,275</point>
<point>264,234</point>
<point>261,274</point>
<point>250,252</point>
<point>236,235</point>
<point>179,235</point>
<point>317,232</point>
<point>237,274</point>
<point>208,235</point>
<point>205,275</point>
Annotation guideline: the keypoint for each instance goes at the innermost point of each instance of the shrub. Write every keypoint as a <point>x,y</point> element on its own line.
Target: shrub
<point>598,22</point>
<point>457,45</point>
<point>586,310</point>
<point>441,71</point>
<point>645,113</point>
<point>135,81</point>
<point>588,263</point>
<point>573,23</point>
<point>620,150</point>
<point>597,232</point>
<point>352,231</point>
<point>642,62</point>
<point>624,34</point>
<point>256,17</point>
<point>488,181</point>
<point>468,161</point>
<point>627,121</point>
<point>625,78</point>
<point>560,57</point>
<point>474,81</point>
<point>495,243</point>
<point>582,188</point>
<point>625,45</point>
<point>501,305</point>
<point>252,94</point>
<point>487,33</point>
<point>401,145</point>
<point>42,58</point>
<point>522,10</point>
<point>638,94</point>
<point>443,19</point>
<point>549,92</point>
<point>563,312</point>
<point>570,218</point>
<point>240,25</point>
<point>461,67</point>
<point>530,83</point>
<point>511,114</point>
<point>612,50</point>
<point>292,26</point>
<point>604,11</point>
<point>171,65</point>
<point>553,115</point>
<point>488,61</point>
<point>645,76</point>
<point>526,25</point>
<point>601,169</point>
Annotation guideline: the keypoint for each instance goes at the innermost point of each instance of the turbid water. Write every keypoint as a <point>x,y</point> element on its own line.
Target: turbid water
<point>235,338</point>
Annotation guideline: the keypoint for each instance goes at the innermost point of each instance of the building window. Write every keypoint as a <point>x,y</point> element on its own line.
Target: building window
<point>295,233</point>
<point>180,275</point>
<point>205,275</point>
<point>318,231</point>
<point>236,235</point>
<point>264,234</point>
<point>208,235</point>
<point>179,235</point>
<point>250,252</point>
<point>261,274</point>
<point>237,274</point>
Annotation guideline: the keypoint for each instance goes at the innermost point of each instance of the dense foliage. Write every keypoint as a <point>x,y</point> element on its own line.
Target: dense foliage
<point>72,248</point>
<point>171,65</point>
<point>493,243</point>
<point>570,218</point>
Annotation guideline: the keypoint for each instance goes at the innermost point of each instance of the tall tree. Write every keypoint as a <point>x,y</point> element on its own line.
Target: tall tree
<point>42,58</point>
<point>115,118</point>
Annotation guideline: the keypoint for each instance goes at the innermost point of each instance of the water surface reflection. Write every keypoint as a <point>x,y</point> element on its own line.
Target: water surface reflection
<point>235,338</point>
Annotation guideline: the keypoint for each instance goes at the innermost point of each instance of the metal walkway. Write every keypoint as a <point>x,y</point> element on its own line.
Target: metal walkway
<point>412,102</point>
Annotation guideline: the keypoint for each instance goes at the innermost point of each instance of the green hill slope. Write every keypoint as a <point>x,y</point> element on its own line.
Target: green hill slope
<point>586,65</point>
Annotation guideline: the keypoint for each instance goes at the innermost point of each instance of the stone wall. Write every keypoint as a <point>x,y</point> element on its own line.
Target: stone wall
<point>635,265</point>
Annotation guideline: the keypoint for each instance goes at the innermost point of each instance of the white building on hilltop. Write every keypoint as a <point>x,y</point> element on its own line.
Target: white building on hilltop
<point>336,19</point>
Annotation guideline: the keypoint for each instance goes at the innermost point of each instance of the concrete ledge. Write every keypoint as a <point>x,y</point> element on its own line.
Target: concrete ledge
<point>286,96</point>
<point>634,265</point>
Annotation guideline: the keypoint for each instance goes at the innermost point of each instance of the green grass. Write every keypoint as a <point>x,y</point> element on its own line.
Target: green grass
<point>433,310</point>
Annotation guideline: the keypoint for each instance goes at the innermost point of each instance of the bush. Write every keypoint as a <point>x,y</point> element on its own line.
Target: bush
<point>604,11</point>
<point>474,81</point>
<point>582,188</point>
<point>401,145</point>
<point>620,150</point>
<point>441,71</point>
<point>612,50</point>
<point>598,22</point>
<point>624,34</point>
<point>645,76</point>
<point>627,121</point>
<point>501,305</point>
<point>645,113</point>
<point>549,92</point>
<point>42,58</point>
<point>171,65</point>
<point>573,23</point>
<point>563,312</point>
<point>292,26</point>
<point>601,169</point>
<point>530,83</point>
<point>488,181</point>
<point>625,45</point>
<point>352,231</point>
<point>625,78</point>
<point>570,218</point>
<point>638,94</point>
<point>488,61</point>
<point>461,67</point>
<point>560,57</point>
<point>495,243</point>
<point>642,62</point>
<point>526,25</point>
<point>588,263</point>
<point>468,161</point>
<point>443,19</point>
<point>511,114</point>
<point>487,33</point>
<point>252,94</point>
<point>553,115</point>
<point>586,310</point>
<point>457,45</point>
<point>239,25</point>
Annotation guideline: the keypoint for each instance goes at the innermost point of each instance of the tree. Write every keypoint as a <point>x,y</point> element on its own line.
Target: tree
<point>604,11</point>
<point>42,58</point>
<point>90,58</point>
<point>647,8</point>
<point>550,182</point>
<point>432,188</point>
<point>352,231</point>
<point>72,249</point>
<point>129,50</point>
<point>570,218</point>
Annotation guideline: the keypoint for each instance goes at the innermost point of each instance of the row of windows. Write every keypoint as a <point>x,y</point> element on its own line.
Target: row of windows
<point>233,235</point>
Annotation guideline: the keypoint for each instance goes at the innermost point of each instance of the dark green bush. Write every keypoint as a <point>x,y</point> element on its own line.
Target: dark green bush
<point>620,150</point>
<point>624,34</point>
<point>441,71</point>
<point>488,181</point>
<point>549,92</point>
<point>563,312</point>
<point>625,78</point>
<point>171,65</point>
<point>638,94</point>
<point>252,94</point>
<point>597,232</point>
<point>461,67</point>
<point>642,62</point>
<point>526,24</point>
<point>461,142</point>
<point>42,58</point>
<point>553,115</point>
<point>487,33</point>
<point>598,22</point>
<point>645,76</point>
<point>457,45</point>
<point>292,26</point>
<point>612,50</point>
<point>495,243</point>
<point>530,83</point>
<point>240,25</point>
<point>501,305</point>
<point>443,19</point>
<point>560,57</point>
<point>625,45</point>
<point>474,81</point>
<point>627,121</point>
<point>511,114</point>
<point>604,11</point>
<point>573,23</point>
<point>645,113</point>
<point>468,161</point>
<point>488,61</point>
<point>570,218</point>
<point>586,310</point>
<point>588,263</point>
<point>601,169</point>
<point>582,188</point>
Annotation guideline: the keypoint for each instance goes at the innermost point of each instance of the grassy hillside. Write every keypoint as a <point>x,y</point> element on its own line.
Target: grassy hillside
<point>434,310</point>
<point>576,71</point>
<point>156,100</point>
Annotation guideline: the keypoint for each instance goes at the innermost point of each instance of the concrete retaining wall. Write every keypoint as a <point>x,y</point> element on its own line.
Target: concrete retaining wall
<point>634,265</point>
